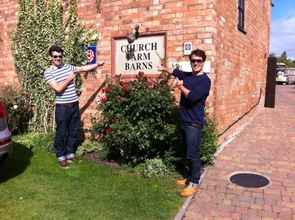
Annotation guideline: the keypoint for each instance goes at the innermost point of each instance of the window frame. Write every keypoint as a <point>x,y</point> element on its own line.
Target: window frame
<point>241,16</point>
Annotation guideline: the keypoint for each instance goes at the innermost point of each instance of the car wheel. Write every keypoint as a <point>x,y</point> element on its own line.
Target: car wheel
<point>3,157</point>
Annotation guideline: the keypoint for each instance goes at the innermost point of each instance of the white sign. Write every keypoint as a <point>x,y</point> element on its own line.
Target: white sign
<point>186,66</point>
<point>187,48</point>
<point>143,55</point>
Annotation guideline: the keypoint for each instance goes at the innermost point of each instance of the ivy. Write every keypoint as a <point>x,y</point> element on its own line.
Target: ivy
<point>41,24</point>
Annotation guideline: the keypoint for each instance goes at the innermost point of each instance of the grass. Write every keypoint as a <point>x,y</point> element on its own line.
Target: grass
<point>32,186</point>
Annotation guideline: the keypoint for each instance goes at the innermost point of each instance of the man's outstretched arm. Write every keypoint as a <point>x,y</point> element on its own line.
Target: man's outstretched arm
<point>88,67</point>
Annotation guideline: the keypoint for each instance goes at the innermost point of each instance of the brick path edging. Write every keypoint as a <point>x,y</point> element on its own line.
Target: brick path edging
<point>245,121</point>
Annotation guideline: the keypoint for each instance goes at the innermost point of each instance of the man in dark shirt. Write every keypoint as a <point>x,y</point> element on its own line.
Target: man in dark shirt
<point>194,87</point>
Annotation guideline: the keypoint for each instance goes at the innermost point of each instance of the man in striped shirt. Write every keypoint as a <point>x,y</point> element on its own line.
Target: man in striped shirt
<point>60,77</point>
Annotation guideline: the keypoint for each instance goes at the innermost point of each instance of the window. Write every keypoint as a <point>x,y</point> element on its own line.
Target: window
<point>241,17</point>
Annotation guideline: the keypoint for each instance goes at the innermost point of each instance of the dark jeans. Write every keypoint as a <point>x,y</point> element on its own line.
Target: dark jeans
<point>67,118</point>
<point>192,139</point>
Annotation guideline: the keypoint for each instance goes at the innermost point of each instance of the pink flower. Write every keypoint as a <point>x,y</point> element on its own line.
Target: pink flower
<point>125,88</point>
<point>102,98</point>
<point>98,136</point>
<point>108,89</point>
<point>108,130</point>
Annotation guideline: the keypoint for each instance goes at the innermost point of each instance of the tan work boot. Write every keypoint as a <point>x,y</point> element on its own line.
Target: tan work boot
<point>188,191</point>
<point>181,182</point>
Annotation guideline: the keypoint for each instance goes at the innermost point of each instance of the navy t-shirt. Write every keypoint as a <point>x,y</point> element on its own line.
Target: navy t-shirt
<point>192,107</point>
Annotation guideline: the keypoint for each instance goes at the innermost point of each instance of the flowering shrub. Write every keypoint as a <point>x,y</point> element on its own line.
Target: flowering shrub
<point>139,120</point>
<point>18,104</point>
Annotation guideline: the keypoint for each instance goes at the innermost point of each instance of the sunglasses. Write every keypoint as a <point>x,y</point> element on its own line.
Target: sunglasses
<point>197,61</point>
<point>57,56</point>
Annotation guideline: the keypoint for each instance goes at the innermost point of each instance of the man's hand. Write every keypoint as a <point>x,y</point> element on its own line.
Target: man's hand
<point>100,63</point>
<point>172,83</point>
<point>179,83</point>
<point>175,83</point>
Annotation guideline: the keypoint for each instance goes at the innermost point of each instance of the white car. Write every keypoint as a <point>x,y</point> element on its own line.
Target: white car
<point>282,78</point>
<point>5,135</point>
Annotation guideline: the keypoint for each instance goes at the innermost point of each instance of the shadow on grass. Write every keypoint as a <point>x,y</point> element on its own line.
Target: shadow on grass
<point>16,163</point>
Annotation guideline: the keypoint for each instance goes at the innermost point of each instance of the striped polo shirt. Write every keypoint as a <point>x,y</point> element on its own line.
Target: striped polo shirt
<point>59,75</point>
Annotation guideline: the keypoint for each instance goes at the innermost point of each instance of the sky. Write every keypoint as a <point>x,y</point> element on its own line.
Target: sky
<point>282,37</point>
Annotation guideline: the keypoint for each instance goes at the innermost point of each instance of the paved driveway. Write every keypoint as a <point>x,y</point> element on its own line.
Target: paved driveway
<point>266,146</point>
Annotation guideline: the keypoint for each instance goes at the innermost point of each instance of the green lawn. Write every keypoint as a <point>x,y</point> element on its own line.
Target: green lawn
<point>32,186</point>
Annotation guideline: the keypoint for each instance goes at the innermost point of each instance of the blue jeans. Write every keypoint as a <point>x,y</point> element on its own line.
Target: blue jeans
<point>67,118</point>
<point>192,139</point>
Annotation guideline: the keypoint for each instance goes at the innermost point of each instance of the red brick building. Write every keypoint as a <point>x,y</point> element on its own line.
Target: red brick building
<point>234,35</point>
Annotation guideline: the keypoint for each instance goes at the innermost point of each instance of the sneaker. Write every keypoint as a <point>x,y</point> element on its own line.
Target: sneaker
<point>63,164</point>
<point>70,158</point>
<point>188,191</point>
<point>181,182</point>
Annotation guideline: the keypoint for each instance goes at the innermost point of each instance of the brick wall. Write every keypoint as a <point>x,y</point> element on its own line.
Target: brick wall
<point>8,9</point>
<point>238,61</point>
<point>182,21</point>
<point>241,58</point>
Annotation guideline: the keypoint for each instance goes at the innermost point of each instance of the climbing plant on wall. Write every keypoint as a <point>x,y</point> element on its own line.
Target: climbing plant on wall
<point>42,23</point>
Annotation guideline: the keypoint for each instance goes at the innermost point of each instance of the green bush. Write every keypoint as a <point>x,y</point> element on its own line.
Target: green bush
<point>155,168</point>
<point>18,105</point>
<point>138,121</point>
<point>35,140</point>
<point>88,147</point>
<point>209,142</point>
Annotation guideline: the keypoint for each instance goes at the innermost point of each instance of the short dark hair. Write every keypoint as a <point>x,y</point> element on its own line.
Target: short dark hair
<point>199,53</point>
<point>56,49</point>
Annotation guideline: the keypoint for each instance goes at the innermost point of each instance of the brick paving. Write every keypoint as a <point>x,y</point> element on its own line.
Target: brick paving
<point>266,146</point>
